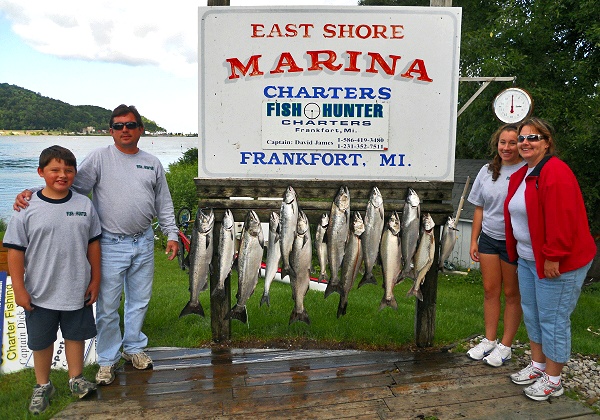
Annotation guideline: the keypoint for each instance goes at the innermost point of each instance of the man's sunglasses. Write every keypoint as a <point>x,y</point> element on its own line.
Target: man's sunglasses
<point>531,137</point>
<point>130,125</point>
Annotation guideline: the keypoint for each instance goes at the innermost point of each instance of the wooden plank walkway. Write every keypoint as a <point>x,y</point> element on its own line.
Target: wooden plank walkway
<point>316,384</point>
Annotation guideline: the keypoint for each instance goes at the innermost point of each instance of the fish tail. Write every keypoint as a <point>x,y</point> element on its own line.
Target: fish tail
<point>239,313</point>
<point>192,309</point>
<point>388,302</point>
<point>331,288</point>
<point>299,316</point>
<point>265,299</point>
<point>368,278</point>
<point>415,292</point>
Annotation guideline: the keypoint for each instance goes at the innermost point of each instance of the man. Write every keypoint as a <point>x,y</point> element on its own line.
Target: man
<point>129,189</point>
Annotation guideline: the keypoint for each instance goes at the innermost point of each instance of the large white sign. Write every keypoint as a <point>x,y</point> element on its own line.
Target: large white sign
<point>328,93</point>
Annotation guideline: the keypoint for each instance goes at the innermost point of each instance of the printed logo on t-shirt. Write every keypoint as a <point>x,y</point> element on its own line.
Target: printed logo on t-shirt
<point>150,168</point>
<point>76,213</point>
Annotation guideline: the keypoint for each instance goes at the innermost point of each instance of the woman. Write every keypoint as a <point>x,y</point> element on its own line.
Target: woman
<point>547,229</point>
<point>488,248</point>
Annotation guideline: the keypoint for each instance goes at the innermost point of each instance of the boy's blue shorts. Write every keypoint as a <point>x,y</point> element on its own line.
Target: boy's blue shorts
<point>43,324</point>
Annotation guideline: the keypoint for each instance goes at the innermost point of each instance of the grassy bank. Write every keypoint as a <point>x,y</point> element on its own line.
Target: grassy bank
<point>459,316</point>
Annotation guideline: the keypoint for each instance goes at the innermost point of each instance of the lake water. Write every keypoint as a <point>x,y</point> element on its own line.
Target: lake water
<point>19,157</point>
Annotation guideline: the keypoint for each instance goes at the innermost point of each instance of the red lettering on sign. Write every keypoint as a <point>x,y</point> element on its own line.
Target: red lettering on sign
<point>418,67</point>
<point>286,60</point>
<point>363,31</point>
<point>237,64</point>
<point>288,30</point>
<point>328,59</point>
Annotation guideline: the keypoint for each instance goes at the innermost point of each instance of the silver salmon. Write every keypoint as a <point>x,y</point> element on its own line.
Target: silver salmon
<point>351,263</point>
<point>371,238</point>
<point>249,259</point>
<point>448,240</point>
<point>337,235</point>
<point>391,260</point>
<point>423,256</point>
<point>273,257</point>
<point>411,219</point>
<point>300,265</point>
<point>226,253</point>
<point>201,252</point>
<point>288,218</point>
<point>321,246</point>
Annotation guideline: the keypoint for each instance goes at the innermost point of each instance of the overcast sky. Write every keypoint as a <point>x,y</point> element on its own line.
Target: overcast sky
<point>108,52</point>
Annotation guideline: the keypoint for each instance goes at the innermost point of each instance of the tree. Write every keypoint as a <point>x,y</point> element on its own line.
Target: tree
<point>180,178</point>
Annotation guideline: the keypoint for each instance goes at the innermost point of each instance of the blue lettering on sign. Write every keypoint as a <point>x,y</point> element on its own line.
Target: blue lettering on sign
<point>331,92</point>
<point>285,109</point>
<point>301,159</point>
<point>390,160</point>
<point>353,110</point>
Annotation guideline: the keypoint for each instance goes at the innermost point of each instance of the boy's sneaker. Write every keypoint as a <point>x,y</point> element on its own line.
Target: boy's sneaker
<point>80,386</point>
<point>526,376</point>
<point>41,398</point>
<point>543,389</point>
<point>106,374</point>
<point>140,360</point>
<point>482,349</point>
<point>498,356</point>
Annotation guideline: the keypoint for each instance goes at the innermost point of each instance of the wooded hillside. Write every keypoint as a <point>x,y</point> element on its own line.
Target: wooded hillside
<point>22,109</point>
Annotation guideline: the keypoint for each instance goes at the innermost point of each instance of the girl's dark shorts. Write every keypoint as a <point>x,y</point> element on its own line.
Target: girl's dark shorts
<point>489,245</point>
<point>43,324</point>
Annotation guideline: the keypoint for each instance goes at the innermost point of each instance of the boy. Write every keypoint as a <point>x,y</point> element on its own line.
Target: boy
<point>54,261</point>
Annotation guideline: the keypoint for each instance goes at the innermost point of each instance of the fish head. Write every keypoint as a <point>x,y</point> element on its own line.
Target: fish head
<point>412,198</point>
<point>302,225</point>
<point>204,220</point>
<point>376,198</point>
<point>324,220</point>
<point>228,221</point>
<point>252,223</point>
<point>428,222</point>
<point>358,225</point>
<point>342,199</point>
<point>274,222</point>
<point>290,195</point>
<point>394,223</point>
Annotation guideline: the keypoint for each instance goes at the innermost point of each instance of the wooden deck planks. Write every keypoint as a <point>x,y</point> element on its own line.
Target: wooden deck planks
<point>315,384</point>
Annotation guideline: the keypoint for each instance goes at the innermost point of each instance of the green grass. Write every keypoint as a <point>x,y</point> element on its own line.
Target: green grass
<point>459,315</point>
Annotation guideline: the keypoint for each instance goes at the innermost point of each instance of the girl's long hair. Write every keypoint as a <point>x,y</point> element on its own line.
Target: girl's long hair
<point>496,163</point>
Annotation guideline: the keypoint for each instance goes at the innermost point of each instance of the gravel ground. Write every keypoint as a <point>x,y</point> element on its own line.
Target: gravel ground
<point>581,374</point>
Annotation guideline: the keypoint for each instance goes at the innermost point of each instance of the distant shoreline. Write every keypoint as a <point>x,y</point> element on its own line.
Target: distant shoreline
<point>60,133</point>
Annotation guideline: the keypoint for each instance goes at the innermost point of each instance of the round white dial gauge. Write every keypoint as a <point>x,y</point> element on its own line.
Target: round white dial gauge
<point>513,105</point>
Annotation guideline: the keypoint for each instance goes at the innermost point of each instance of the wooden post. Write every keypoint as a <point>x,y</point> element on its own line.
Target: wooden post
<point>220,327</point>
<point>440,3</point>
<point>425,310</point>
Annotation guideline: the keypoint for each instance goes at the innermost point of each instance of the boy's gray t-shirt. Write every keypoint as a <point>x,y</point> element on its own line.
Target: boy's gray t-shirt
<point>491,196</point>
<point>129,190</point>
<point>55,235</point>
